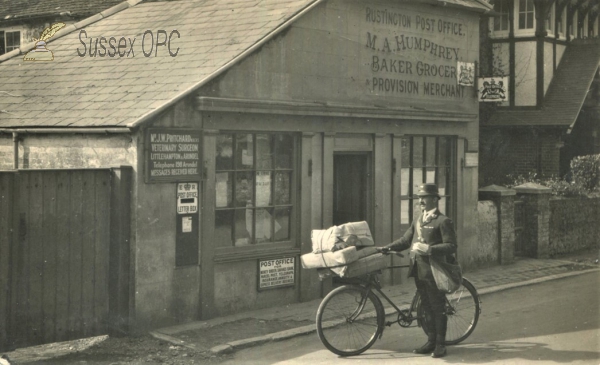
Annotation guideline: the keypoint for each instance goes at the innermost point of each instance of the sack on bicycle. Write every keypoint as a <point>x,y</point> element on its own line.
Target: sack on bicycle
<point>448,276</point>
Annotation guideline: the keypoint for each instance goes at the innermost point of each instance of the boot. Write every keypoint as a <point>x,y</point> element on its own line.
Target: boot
<point>429,346</point>
<point>440,347</point>
<point>441,322</point>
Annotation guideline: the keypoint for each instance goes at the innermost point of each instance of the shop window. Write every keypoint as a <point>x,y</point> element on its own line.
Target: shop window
<point>426,160</point>
<point>500,21</point>
<point>9,40</point>
<point>526,15</point>
<point>254,188</point>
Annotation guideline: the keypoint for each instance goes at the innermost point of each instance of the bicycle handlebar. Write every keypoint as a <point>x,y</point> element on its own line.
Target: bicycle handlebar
<point>386,251</point>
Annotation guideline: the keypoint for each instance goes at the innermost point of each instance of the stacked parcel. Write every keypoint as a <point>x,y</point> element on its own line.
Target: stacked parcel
<point>346,250</point>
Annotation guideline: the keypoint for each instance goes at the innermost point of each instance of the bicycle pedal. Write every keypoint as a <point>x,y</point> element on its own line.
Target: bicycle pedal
<point>389,324</point>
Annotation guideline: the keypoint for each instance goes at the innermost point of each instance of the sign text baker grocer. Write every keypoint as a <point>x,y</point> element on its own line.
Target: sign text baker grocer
<point>172,155</point>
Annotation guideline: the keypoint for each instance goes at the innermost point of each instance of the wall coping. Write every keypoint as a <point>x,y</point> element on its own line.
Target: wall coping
<point>532,188</point>
<point>496,190</point>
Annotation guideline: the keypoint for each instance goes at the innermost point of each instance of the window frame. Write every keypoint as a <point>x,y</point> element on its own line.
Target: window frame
<point>504,12</point>
<point>561,24</point>
<point>517,12</point>
<point>450,174</point>
<point>229,250</point>
<point>5,32</point>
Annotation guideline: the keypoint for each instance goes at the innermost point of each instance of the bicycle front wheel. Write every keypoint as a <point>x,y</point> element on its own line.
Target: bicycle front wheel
<point>349,320</point>
<point>462,308</point>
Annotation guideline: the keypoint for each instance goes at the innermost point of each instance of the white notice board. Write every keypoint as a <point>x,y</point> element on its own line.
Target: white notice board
<point>276,273</point>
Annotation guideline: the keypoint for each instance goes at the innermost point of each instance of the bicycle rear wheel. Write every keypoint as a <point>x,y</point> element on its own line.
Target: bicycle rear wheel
<point>462,308</point>
<point>349,320</point>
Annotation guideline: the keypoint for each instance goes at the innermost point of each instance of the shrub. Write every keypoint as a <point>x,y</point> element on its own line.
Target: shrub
<point>585,172</point>
<point>583,179</point>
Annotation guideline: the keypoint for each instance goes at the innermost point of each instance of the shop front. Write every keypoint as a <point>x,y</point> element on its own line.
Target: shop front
<point>336,119</point>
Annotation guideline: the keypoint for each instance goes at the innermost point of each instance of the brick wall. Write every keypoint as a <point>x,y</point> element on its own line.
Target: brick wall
<point>574,224</point>
<point>518,151</point>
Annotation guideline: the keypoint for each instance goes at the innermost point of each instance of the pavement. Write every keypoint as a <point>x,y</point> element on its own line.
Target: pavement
<point>242,330</point>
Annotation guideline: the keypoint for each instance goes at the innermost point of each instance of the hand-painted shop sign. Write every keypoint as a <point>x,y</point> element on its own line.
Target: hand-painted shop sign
<point>172,154</point>
<point>413,53</point>
<point>276,273</point>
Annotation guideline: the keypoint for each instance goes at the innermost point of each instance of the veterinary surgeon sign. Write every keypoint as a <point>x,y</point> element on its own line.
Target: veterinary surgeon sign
<point>492,89</point>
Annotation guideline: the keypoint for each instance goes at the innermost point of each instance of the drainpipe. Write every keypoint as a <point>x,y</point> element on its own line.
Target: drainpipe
<point>16,150</point>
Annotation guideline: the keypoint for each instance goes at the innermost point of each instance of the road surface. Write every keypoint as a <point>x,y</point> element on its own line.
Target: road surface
<point>555,322</point>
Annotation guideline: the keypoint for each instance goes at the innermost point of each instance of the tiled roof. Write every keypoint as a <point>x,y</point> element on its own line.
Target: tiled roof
<point>103,91</point>
<point>566,92</point>
<point>17,9</point>
<point>74,91</point>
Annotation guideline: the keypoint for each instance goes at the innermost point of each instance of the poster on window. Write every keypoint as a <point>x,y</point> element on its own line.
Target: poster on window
<point>466,73</point>
<point>221,189</point>
<point>492,89</point>
<point>263,188</point>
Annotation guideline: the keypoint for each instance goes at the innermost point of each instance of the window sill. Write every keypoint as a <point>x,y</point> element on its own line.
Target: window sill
<point>499,34</point>
<point>252,252</point>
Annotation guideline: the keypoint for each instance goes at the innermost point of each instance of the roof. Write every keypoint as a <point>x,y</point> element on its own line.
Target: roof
<point>566,93</point>
<point>17,9</point>
<point>74,91</point>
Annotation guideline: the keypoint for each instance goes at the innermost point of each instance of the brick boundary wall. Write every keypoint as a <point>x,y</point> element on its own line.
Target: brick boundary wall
<point>574,224</point>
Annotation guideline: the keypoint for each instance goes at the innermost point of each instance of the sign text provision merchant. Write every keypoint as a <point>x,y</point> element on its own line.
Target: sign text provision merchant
<point>420,59</point>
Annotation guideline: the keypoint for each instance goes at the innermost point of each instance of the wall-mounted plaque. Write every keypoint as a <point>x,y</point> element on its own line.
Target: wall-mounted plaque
<point>276,273</point>
<point>172,154</point>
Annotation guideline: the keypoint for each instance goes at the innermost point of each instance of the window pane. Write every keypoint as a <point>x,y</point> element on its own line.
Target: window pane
<point>243,227</point>
<point>244,151</point>
<point>284,145</point>
<point>430,175</point>
<point>405,152</point>
<point>282,224</point>
<point>442,180</point>
<point>263,188</point>
<point>282,188</point>
<point>417,179</point>
<point>224,159</point>
<point>442,205</point>
<point>529,20</point>
<point>223,224</point>
<point>529,5</point>
<point>430,153</point>
<point>2,45</point>
<point>264,156</point>
<point>505,22</point>
<point>224,189</point>
<point>443,153</point>
<point>404,181</point>
<point>417,151</point>
<point>244,183</point>
<point>522,5</point>
<point>521,21</point>
<point>264,225</point>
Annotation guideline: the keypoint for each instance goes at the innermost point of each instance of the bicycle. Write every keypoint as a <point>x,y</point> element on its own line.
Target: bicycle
<point>351,317</point>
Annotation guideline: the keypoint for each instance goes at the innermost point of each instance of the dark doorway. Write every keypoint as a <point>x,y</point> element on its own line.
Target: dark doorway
<point>350,187</point>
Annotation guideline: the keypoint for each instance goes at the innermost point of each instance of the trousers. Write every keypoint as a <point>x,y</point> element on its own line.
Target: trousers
<point>433,302</point>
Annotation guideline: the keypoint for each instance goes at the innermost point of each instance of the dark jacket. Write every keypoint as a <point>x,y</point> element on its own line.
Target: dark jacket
<point>438,232</point>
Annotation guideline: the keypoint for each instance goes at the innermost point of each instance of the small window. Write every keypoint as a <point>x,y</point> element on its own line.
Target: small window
<point>254,188</point>
<point>526,14</point>
<point>550,20</point>
<point>561,22</point>
<point>501,20</point>
<point>12,40</point>
<point>2,43</point>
